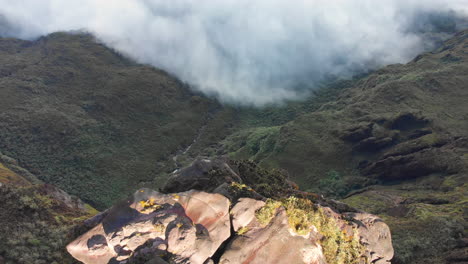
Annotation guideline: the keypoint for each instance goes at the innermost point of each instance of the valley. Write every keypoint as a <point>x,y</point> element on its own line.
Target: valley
<point>393,142</point>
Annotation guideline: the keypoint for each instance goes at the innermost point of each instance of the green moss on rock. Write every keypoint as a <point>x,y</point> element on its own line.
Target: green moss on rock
<point>338,247</point>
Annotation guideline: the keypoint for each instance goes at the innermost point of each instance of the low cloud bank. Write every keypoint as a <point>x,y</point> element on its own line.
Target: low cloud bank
<point>248,52</point>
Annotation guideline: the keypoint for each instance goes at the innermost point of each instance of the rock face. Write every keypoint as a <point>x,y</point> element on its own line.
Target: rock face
<point>198,176</point>
<point>195,226</point>
<point>274,243</point>
<point>186,227</point>
<point>376,235</point>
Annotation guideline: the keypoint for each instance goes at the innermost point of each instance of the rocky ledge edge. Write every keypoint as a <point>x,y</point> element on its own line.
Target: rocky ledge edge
<point>231,224</point>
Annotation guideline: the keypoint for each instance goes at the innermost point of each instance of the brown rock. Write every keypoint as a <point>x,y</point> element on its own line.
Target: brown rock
<point>244,212</point>
<point>375,234</point>
<point>191,226</point>
<point>199,176</point>
<point>274,243</point>
<point>92,247</point>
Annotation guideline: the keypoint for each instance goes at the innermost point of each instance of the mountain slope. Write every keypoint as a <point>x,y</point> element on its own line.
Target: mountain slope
<point>36,220</point>
<point>371,117</point>
<point>394,143</point>
<point>81,116</point>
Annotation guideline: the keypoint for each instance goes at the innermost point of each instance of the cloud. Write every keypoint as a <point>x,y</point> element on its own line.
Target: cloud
<point>246,51</point>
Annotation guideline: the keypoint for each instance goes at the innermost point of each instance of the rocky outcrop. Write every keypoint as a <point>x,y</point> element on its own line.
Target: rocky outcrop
<point>428,154</point>
<point>404,147</point>
<point>375,234</point>
<point>275,243</point>
<point>201,176</point>
<point>185,227</point>
<point>196,226</point>
<point>218,175</point>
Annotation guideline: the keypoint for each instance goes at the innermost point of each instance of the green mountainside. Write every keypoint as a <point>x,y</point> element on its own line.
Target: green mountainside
<point>80,116</point>
<point>393,142</point>
<point>37,220</point>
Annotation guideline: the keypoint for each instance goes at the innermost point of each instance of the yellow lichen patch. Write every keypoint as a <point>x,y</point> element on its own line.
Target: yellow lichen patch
<point>338,246</point>
<point>267,212</point>
<point>175,196</point>
<point>159,228</point>
<point>9,177</point>
<point>148,203</point>
<point>243,230</point>
<point>149,206</point>
<point>240,186</point>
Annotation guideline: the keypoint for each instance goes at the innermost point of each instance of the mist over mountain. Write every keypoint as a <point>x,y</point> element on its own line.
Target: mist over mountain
<point>247,52</point>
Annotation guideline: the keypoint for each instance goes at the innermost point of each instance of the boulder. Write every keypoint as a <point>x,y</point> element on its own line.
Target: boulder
<point>187,227</point>
<point>375,234</point>
<point>233,179</point>
<point>195,226</point>
<point>200,176</point>
<point>275,243</point>
<point>244,212</point>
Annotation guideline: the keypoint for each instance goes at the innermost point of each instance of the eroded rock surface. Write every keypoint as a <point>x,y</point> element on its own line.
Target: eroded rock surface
<point>275,243</point>
<point>375,234</point>
<point>195,226</point>
<point>184,227</point>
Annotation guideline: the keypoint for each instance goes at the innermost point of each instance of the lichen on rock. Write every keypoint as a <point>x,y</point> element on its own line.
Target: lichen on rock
<point>195,226</point>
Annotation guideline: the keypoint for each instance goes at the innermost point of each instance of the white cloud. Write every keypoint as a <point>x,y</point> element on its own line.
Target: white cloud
<point>242,51</point>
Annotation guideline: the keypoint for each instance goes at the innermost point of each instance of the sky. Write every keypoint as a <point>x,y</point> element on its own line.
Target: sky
<point>250,52</point>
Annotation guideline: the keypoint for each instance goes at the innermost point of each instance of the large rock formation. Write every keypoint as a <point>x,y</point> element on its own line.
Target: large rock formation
<point>188,226</point>
<point>195,226</point>
<point>273,243</point>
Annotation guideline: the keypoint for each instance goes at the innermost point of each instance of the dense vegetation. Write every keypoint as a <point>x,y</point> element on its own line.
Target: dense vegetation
<point>36,220</point>
<point>402,127</point>
<point>88,120</point>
